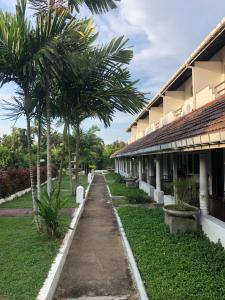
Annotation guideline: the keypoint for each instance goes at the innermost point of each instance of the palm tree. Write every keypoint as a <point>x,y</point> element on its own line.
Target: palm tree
<point>98,7</point>
<point>27,52</point>
<point>96,83</point>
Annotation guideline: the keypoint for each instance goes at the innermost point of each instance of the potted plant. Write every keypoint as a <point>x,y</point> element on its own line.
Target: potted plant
<point>181,216</point>
<point>131,181</point>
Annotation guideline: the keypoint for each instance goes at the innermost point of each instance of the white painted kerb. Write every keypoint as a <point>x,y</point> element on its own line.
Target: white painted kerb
<point>133,266</point>
<point>214,229</point>
<point>48,289</point>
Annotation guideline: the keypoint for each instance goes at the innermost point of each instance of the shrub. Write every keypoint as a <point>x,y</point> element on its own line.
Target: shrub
<point>137,196</point>
<point>14,180</point>
<point>119,179</point>
<point>49,211</point>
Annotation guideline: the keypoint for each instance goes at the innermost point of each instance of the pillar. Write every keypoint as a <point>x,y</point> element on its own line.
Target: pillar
<point>158,194</point>
<point>203,191</point>
<point>158,173</point>
<point>131,171</point>
<point>139,168</point>
<point>175,173</point>
<point>148,171</point>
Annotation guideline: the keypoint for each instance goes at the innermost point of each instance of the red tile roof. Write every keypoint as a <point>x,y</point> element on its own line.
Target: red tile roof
<point>206,119</point>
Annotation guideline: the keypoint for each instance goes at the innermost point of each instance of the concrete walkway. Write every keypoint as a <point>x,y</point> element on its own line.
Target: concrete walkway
<point>96,266</point>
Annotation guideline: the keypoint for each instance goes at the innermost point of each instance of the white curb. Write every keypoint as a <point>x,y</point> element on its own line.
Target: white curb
<point>133,266</point>
<point>131,260</point>
<point>48,289</point>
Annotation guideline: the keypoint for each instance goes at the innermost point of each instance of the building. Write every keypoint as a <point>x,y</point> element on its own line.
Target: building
<point>181,132</point>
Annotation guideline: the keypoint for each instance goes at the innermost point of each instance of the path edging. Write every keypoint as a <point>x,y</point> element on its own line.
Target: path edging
<point>48,289</point>
<point>130,256</point>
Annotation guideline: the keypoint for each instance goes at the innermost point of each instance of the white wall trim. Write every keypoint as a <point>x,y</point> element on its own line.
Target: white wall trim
<point>48,289</point>
<point>132,263</point>
<point>213,228</point>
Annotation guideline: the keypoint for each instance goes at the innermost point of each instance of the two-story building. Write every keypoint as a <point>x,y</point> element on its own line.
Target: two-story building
<point>181,133</point>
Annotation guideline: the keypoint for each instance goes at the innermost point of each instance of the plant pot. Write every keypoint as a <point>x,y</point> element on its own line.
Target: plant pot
<point>182,220</point>
<point>131,182</point>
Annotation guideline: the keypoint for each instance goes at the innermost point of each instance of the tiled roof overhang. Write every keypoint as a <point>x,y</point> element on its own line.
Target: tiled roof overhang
<point>203,127</point>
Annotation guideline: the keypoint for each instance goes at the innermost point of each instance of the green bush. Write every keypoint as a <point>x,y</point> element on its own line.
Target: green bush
<point>119,179</point>
<point>137,196</point>
<point>49,211</point>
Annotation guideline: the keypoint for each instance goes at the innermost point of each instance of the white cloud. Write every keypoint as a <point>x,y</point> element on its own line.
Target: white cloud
<point>162,33</point>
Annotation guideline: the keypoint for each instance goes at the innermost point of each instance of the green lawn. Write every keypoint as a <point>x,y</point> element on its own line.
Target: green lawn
<point>25,200</point>
<point>116,188</point>
<point>25,258</point>
<point>174,267</point>
<point>120,189</point>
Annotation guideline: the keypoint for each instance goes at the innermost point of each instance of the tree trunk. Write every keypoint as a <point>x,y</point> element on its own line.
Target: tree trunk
<point>49,156</point>
<point>38,155</point>
<point>36,217</point>
<point>77,154</point>
<point>69,159</point>
<point>61,166</point>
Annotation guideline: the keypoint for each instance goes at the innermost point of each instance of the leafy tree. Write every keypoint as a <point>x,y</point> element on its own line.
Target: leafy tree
<point>109,150</point>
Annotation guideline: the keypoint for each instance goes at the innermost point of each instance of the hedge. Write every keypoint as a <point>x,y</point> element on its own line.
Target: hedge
<point>14,180</point>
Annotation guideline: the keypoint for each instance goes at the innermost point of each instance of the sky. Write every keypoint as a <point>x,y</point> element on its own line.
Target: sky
<point>162,34</point>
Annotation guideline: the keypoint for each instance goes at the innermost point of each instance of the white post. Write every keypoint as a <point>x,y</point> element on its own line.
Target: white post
<point>175,174</point>
<point>139,168</point>
<point>80,194</point>
<point>89,177</point>
<point>158,175</point>
<point>203,195</point>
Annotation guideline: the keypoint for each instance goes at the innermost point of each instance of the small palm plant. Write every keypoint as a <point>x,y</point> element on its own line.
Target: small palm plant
<point>183,188</point>
<point>49,212</point>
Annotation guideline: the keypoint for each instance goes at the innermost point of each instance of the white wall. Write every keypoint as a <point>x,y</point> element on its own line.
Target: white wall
<point>172,101</point>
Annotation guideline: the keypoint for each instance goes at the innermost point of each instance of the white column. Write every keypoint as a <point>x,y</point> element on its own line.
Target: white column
<point>174,172</point>
<point>139,168</point>
<point>119,164</point>
<point>203,194</point>
<point>158,173</point>
<point>116,168</point>
<point>148,170</point>
<point>131,173</point>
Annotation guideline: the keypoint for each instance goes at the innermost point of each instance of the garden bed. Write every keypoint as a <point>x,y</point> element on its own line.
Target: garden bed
<point>181,266</point>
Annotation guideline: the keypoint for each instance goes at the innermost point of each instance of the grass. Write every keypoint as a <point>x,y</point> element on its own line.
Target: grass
<point>132,195</point>
<point>25,201</point>
<point>25,255</point>
<point>25,258</point>
<point>173,267</point>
